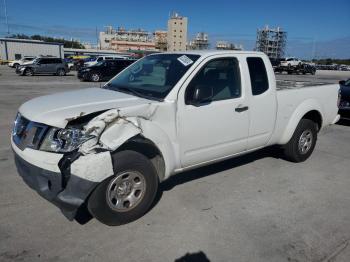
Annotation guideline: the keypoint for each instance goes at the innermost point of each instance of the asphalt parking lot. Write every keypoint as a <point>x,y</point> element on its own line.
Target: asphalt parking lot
<point>256,207</point>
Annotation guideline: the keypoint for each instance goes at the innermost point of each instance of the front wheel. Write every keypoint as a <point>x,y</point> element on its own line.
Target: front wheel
<point>28,72</point>
<point>128,194</point>
<point>302,144</point>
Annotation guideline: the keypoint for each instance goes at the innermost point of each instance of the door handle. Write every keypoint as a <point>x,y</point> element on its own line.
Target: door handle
<point>241,109</point>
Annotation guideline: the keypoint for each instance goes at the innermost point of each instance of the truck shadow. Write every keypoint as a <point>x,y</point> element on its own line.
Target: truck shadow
<point>188,176</point>
<point>193,257</point>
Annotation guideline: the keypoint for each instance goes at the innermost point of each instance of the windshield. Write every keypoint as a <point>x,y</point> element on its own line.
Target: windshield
<point>153,76</point>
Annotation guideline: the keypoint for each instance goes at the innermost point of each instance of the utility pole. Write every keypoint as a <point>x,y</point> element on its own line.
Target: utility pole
<point>97,40</point>
<point>6,19</point>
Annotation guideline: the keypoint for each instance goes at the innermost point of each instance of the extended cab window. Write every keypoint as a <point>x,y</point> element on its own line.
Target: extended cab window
<point>258,75</point>
<point>221,75</point>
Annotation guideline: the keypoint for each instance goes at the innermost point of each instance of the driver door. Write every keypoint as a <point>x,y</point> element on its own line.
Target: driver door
<point>217,127</point>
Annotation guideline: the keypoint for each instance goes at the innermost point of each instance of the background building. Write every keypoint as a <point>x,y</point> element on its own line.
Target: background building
<point>122,40</point>
<point>11,48</point>
<point>271,41</point>
<point>68,52</point>
<point>160,40</point>
<point>200,42</point>
<point>224,45</point>
<point>177,33</point>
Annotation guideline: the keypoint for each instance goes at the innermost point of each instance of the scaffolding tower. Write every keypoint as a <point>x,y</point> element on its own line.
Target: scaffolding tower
<point>200,42</point>
<point>271,41</point>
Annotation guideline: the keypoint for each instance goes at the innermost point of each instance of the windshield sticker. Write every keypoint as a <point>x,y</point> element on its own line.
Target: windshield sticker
<point>185,60</point>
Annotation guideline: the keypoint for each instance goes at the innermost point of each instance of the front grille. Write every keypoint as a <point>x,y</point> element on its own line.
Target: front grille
<point>26,133</point>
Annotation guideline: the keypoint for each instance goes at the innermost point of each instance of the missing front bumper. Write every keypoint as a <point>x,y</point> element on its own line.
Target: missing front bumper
<point>68,195</point>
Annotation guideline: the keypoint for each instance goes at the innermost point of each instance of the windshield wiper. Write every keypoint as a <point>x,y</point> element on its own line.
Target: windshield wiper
<point>132,91</point>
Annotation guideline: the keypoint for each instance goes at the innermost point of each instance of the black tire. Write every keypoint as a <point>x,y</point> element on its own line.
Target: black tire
<point>15,65</point>
<point>293,151</point>
<point>61,72</point>
<point>95,77</point>
<point>99,203</point>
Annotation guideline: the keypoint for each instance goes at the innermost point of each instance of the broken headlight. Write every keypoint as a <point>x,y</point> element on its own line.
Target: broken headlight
<point>63,140</point>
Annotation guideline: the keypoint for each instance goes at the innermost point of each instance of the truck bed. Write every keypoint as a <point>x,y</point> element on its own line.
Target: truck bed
<point>289,84</point>
<point>293,97</point>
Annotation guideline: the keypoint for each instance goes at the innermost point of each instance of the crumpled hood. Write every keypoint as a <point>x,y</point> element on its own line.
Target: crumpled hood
<point>58,109</point>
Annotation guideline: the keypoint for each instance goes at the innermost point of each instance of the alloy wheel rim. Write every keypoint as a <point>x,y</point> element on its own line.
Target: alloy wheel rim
<point>95,77</point>
<point>126,191</point>
<point>305,141</point>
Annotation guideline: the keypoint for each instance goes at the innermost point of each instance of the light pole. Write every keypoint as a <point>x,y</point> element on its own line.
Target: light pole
<point>7,22</point>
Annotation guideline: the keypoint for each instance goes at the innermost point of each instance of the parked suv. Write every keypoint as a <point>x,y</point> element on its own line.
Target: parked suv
<point>291,61</point>
<point>44,65</point>
<point>103,70</point>
<point>344,103</point>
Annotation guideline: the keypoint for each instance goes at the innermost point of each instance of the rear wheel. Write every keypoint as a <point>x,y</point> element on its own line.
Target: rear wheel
<point>61,72</point>
<point>128,194</point>
<point>301,145</point>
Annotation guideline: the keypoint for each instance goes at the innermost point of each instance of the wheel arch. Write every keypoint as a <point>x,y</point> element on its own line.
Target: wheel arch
<point>309,109</point>
<point>147,148</point>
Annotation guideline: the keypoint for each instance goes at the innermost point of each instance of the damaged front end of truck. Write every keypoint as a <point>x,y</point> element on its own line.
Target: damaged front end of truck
<point>89,141</point>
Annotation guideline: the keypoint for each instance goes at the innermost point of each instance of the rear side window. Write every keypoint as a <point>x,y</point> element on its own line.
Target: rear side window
<point>258,75</point>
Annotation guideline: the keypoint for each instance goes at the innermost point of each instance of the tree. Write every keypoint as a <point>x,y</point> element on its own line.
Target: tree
<point>66,43</point>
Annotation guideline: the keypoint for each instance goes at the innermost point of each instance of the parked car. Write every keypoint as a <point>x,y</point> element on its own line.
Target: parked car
<point>344,104</point>
<point>41,65</point>
<point>22,61</point>
<point>104,70</point>
<point>94,60</point>
<point>291,61</point>
<point>70,63</point>
<point>108,148</point>
<point>304,68</point>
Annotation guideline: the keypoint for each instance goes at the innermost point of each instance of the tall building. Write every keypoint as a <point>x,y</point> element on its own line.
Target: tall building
<point>224,45</point>
<point>177,33</point>
<point>200,42</point>
<point>126,40</point>
<point>271,41</point>
<point>160,40</point>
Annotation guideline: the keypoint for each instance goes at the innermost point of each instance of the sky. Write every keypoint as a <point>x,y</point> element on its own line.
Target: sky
<point>316,29</point>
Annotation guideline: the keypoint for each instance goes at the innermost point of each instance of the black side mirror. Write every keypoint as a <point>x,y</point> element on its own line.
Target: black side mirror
<point>202,95</point>
<point>342,82</point>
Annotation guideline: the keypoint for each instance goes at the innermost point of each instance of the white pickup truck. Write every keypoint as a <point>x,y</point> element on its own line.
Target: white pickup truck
<point>105,150</point>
